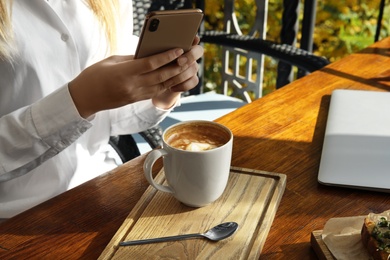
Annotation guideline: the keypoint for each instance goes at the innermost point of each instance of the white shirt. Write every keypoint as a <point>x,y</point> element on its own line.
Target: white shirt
<point>46,148</point>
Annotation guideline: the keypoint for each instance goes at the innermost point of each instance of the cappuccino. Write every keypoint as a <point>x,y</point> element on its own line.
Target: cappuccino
<point>196,136</point>
<point>196,157</point>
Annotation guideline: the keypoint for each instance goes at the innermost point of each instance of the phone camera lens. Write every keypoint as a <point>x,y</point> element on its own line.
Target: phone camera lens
<point>154,25</point>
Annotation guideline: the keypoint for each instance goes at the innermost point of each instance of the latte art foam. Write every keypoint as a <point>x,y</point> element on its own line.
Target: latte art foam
<point>197,137</point>
<point>194,146</point>
<point>192,141</point>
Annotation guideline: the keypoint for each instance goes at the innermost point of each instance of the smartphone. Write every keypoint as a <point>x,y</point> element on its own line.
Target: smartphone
<point>168,29</point>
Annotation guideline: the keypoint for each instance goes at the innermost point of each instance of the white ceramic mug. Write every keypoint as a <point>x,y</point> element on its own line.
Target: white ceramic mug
<point>195,178</point>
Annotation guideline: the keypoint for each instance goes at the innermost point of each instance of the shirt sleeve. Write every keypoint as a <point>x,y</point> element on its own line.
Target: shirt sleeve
<point>137,117</point>
<point>33,134</point>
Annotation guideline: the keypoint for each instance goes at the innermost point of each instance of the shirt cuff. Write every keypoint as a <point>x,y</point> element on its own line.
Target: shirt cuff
<point>57,120</point>
<point>177,104</point>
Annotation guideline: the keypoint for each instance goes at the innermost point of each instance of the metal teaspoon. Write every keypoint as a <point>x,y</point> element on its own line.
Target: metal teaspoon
<point>217,233</point>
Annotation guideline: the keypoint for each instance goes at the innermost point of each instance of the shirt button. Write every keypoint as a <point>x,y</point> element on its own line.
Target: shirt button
<point>64,37</point>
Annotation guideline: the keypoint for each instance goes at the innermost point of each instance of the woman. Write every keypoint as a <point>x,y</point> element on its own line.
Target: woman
<point>61,98</point>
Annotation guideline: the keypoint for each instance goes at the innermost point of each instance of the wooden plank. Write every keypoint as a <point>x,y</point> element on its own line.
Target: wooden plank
<point>319,246</point>
<point>250,199</point>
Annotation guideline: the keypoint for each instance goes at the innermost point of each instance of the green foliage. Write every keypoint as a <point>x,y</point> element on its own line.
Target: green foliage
<point>342,27</point>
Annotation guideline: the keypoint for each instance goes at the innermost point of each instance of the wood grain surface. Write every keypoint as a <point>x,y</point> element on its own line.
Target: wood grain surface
<point>282,132</point>
<point>250,199</point>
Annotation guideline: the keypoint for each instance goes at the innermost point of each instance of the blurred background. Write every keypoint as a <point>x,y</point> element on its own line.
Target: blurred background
<point>342,27</point>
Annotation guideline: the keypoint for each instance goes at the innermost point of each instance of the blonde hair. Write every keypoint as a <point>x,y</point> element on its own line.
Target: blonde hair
<point>6,46</point>
<point>105,11</point>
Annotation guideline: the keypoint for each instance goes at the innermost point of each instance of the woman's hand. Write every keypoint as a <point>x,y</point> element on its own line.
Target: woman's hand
<point>121,80</point>
<point>185,81</point>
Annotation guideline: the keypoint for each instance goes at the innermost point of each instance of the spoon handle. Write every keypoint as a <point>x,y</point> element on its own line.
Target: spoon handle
<point>159,239</point>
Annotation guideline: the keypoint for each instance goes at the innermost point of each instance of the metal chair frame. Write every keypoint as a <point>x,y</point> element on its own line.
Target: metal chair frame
<point>379,20</point>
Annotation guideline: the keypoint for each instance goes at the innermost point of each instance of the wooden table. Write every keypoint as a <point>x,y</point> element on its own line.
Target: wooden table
<point>282,132</point>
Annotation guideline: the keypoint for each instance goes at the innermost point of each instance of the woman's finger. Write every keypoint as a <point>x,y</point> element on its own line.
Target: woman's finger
<point>190,72</point>
<point>186,85</point>
<point>196,40</point>
<point>152,63</point>
<point>178,80</point>
<point>191,56</point>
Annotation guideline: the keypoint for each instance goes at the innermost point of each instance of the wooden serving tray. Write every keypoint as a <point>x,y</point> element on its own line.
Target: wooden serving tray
<point>251,199</point>
<point>319,246</point>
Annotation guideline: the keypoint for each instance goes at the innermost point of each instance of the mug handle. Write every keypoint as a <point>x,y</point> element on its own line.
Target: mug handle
<point>148,165</point>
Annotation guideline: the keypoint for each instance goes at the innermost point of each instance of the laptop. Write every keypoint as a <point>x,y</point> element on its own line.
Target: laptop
<point>356,149</point>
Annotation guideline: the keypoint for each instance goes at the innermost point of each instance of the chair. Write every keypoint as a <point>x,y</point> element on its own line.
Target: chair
<point>236,45</point>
